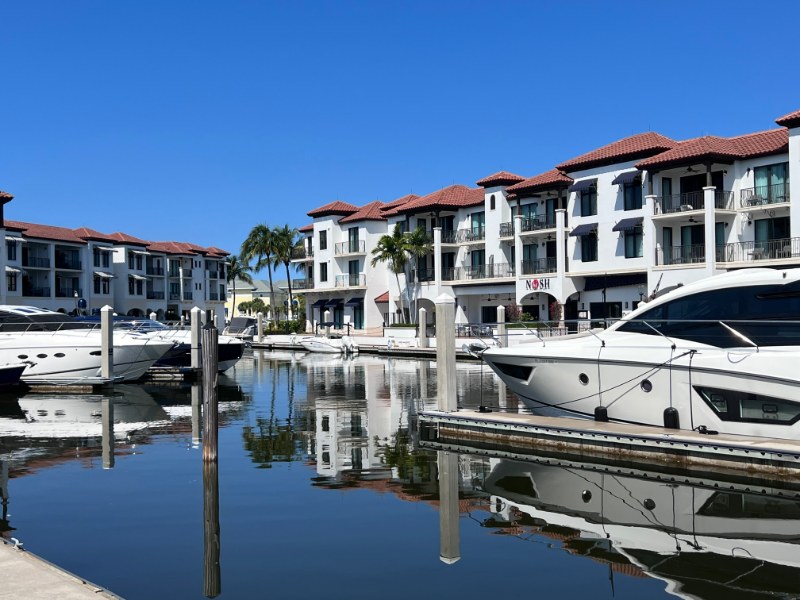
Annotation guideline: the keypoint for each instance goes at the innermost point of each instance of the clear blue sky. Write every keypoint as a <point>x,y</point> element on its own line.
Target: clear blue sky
<point>194,120</point>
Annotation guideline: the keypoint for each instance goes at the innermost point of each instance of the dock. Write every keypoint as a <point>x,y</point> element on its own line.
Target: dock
<point>28,576</point>
<point>654,448</point>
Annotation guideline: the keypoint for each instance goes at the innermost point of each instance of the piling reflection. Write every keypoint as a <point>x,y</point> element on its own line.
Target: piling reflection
<point>449,532</point>
<point>212,576</point>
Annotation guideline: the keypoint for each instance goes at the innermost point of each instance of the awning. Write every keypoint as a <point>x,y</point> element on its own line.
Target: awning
<point>14,238</point>
<point>584,229</point>
<point>584,184</point>
<point>104,275</point>
<point>354,302</point>
<point>333,302</point>
<point>104,248</point>
<point>142,252</point>
<point>628,224</point>
<point>138,277</point>
<point>12,270</point>
<point>320,302</point>
<point>626,177</point>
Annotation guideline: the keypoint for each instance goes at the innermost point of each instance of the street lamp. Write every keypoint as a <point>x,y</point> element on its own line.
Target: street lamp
<point>641,293</point>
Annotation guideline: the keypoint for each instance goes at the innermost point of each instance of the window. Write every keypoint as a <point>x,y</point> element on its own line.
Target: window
<point>750,407</point>
<point>633,195</point>
<point>131,259</point>
<point>323,271</point>
<point>771,182</point>
<point>11,282</point>
<point>589,247</point>
<point>139,287</point>
<point>101,285</point>
<point>478,220</point>
<point>323,240</point>
<point>138,262</point>
<point>589,202</point>
<point>633,243</point>
<point>131,286</point>
<point>491,202</point>
<point>326,423</point>
<point>11,250</point>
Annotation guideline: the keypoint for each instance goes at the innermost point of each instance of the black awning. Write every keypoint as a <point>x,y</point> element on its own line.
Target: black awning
<point>599,282</point>
<point>628,224</point>
<point>584,229</point>
<point>627,177</point>
<point>333,302</point>
<point>319,303</point>
<point>354,302</point>
<point>584,184</point>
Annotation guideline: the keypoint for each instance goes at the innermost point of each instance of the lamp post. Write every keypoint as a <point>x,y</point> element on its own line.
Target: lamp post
<point>641,293</point>
<point>75,294</point>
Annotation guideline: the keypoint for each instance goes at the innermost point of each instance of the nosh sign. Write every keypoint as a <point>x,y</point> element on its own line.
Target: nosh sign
<point>537,284</point>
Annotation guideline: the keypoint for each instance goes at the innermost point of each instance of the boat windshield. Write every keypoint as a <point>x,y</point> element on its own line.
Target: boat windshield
<point>39,321</point>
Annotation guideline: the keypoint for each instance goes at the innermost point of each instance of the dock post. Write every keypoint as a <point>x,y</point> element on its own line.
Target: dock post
<point>212,576</point>
<point>107,343</point>
<point>449,533</point>
<point>107,412</point>
<point>422,324</point>
<point>196,414</point>
<point>4,490</point>
<point>446,353</point>
<point>327,319</point>
<point>195,322</point>
<point>501,326</point>
<point>210,374</point>
<point>153,316</point>
<point>260,327</point>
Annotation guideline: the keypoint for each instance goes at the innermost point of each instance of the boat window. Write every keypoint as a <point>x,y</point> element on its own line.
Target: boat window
<point>748,407</point>
<point>516,371</point>
<point>761,313</point>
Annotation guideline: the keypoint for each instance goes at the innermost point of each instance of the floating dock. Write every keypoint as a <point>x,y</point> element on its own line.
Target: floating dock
<point>655,448</point>
<point>399,351</point>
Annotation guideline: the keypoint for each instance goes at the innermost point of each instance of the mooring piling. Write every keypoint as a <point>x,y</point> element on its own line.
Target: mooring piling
<point>107,343</point>
<point>446,353</point>
<point>107,416</point>
<point>210,375</point>
<point>212,575</point>
<point>195,315</point>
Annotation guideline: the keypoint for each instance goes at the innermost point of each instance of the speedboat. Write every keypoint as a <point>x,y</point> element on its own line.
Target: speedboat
<point>716,355</point>
<point>343,345</point>
<point>60,349</point>
<point>243,328</point>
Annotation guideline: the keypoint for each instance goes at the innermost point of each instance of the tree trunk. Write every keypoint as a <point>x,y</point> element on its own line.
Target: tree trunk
<point>290,312</point>
<point>400,297</point>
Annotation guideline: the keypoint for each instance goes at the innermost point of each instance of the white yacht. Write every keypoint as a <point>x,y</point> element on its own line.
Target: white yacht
<point>59,349</point>
<point>719,354</point>
<point>343,345</point>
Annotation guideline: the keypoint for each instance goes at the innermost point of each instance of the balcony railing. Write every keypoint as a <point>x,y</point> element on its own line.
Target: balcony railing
<point>507,229</point>
<point>449,236</point>
<point>302,284</point>
<point>537,223</point>
<point>36,292</point>
<point>174,273</point>
<point>424,275</point>
<point>174,296</point>
<point>678,255</point>
<point>539,265</point>
<point>492,271</point>
<point>761,250</point>
<point>187,295</point>
<point>213,274</point>
<point>187,273</point>
<point>687,201</point>
<point>350,247</point>
<point>36,263</point>
<point>764,194</point>
<point>157,271</point>
<point>354,280</point>
<point>68,292</point>
<point>213,296</point>
<point>72,265</point>
<point>152,295</point>
<point>300,253</point>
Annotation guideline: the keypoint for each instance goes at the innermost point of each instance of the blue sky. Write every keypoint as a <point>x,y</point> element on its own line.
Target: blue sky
<point>194,120</point>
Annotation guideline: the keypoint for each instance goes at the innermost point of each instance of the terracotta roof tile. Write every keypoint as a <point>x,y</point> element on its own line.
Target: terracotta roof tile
<point>219,252</point>
<point>368,212</point>
<point>118,236</point>
<point>91,234</point>
<point>762,143</point>
<point>391,208</point>
<point>499,178</point>
<point>790,120</point>
<point>635,146</point>
<point>47,232</point>
<point>169,248</point>
<point>337,207</point>
<point>306,228</point>
<point>544,181</point>
<point>449,198</point>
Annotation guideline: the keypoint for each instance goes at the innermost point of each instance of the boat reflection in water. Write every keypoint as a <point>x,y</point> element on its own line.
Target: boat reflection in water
<point>705,539</point>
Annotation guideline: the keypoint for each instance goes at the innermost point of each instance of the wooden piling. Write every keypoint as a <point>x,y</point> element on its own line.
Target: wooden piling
<point>212,576</point>
<point>446,353</point>
<point>195,338</point>
<point>210,374</point>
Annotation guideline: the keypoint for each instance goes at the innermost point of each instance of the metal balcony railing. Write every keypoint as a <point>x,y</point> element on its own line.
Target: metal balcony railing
<point>301,253</point>
<point>36,292</point>
<point>350,247</point>
<point>354,280</point>
<point>156,271</point>
<point>36,262</point>
<point>153,295</point>
<point>302,284</point>
<point>68,292</point>
<point>537,223</point>
<point>491,271</point>
<point>674,203</point>
<point>213,274</point>
<point>187,295</point>
<point>424,275</point>
<point>187,273</point>
<point>764,194</point>
<point>449,236</point>
<point>507,229</point>
<point>760,250</point>
<point>174,273</point>
<point>677,255</point>
<point>213,296</point>
<point>539,265</point>
<point>72,265</point>
<point>174,296</point>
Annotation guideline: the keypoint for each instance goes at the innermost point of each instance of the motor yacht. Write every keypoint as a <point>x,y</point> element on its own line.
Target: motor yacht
<point>326,345</point>
<point>716,355</point>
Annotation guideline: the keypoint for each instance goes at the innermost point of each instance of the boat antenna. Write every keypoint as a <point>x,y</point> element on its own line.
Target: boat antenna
<point>740,335</point>
<point>602,341</point>
<point>661,334</point>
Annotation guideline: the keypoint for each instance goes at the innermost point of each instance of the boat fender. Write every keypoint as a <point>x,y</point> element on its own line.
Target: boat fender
<point>601,414</point>
<point>671,418</point>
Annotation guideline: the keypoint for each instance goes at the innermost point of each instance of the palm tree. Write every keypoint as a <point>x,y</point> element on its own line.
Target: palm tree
<point>260,245</point>
<point>285,241</point>
<point>417,245</point>
<point>237,269</point>
<point>391,249</point>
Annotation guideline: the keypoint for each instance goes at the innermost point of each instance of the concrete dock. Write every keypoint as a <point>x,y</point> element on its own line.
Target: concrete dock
<point>28,576</point>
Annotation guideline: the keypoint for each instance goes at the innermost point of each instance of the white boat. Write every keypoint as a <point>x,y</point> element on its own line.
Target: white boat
<point>60,349</point>
<point>343,345</point>
<point>719,354</point>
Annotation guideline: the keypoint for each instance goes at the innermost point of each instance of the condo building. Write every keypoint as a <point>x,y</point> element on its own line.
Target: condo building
<point>587,240</point>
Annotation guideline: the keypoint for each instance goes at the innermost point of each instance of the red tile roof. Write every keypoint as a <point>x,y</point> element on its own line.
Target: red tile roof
<point>219,252</point>
<point>391,208</point>
<point>46,232</point>
<point>5,197</point>
<point>306,228</point>
<point>718,149</point>
<point>636,146</point>
<point>368,212</point>
<point>337,207</point>
<point>124,238</point>
<point>91,234</point>
<point>449,198</point>
<point>549,180</point>
<point>384,297</point>
<point>790,120</point>
<point>499,178</point>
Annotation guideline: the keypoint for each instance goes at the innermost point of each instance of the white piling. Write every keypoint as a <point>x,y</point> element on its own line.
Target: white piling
<point>446,353</point>
<point>107,343</point>
<point>153,316</point>
<point>196,315</point>
<point>449,533</point>
<point>107,416</point>
<point>422,323</point>
<point>196,414</point>
<point>327,319</point>
<point>260,327</point>
<point>501,326</point>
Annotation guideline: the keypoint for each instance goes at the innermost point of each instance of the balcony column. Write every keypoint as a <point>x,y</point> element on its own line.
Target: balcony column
<point>709,194</point>
<point>517,246</point>
<point>651,243</point>
<point>561,250</point>
<point>437,258</point>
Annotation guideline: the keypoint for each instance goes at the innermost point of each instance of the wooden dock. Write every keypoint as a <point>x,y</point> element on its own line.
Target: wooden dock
<point>375,349</point>
<point>655,448</point>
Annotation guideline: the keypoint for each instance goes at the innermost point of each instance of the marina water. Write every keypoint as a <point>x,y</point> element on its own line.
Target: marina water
<point>322,491</point>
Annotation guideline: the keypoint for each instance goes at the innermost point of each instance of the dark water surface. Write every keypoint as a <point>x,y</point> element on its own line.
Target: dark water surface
<point>321,493</point>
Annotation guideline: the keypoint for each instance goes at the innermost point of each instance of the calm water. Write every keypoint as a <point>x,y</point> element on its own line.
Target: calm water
<point>322,494</point>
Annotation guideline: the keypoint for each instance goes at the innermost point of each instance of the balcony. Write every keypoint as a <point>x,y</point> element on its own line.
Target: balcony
<point>423,275</point>
<point>762,250</point>
<point>187,296</point>
<point>158,271</point>
<point>537,224</point>
<point>174,273</point>
<point>507,230</point>
<point>354,280</point>
<point>685,202</point>
<point>213,274</point>
<point>68,292</point>
<point>491,271</point>
<point>152,295</point>
<point>174,296</point>
<point>68,263</point>
<point>302,253</point>
<point>539,265</point>
<point>350,247</point>
<point>679,255</point>
<point>764,194</point>
<point>187,273</point>
<point>35,262</point>
<point>36,292</point>
<point>213,296</point>
<point>302,284</point>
